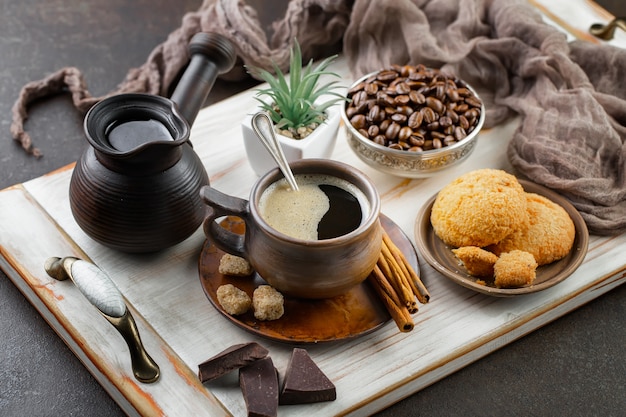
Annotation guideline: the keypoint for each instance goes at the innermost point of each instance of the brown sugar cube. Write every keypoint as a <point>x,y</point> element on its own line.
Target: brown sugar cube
<point>233,300</point>
<point>234,265</point>
<point>234,357</point>
<point>259,385</point>
<point>514,269</point>
<point>268,303</point>
<point>305,382</point>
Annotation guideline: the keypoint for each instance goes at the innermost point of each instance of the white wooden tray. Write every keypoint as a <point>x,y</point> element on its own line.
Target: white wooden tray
<point>181,328</point>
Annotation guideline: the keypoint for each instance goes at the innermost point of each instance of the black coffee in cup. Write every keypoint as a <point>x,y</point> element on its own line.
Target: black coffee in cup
<point>324,207</point>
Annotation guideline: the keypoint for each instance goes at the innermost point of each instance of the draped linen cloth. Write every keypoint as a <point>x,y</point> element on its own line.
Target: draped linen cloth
<point>570,97</point>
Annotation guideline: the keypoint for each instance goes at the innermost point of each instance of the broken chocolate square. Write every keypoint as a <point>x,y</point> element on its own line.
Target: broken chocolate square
<point>259,384</point>
<point>305,382</point>
<point>235,357</point>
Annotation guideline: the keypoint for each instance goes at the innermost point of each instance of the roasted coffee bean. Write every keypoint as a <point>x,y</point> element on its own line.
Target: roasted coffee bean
<point>395,145</point>
<point>372,79</point>
<point>358,121</point>
<point>428,114</point>
<point>399,118</point>
<point>471,114</point>
<point>464,92</point>
<point>449,140</point>
<point>419,73</point>
<point>380,139</point>
<point>402,100</point>
<point>376,115</point>
<point>402,88</point>
<point>406,110</point>
<point>435,104</point>
<point>453,94</point>
<point>416,85</point>
<point>392,131</point>
<point>413,108</point>
<point>473,101</point>
<point>433,126</point>
<point>386,100</point>
<point>371,89</point>
<point>416,97</point>
<point>415,119</point>
<point>461,108</point>
<point>387,75</point>
<point>454,117</point>
<point>405,133</point>
<point>422,131</point>
<point>373,131</point>
<point>416,140</point>
<point>351,111</point>
<point>356,88</point>
<point>406,70</point>
<point>463,123</point>
<point>359,98</point>
<point>445,121</point>
<point>439,90</point>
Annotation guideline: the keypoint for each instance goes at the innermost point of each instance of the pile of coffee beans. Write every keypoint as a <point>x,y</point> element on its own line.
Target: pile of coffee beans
<point>413,108</point>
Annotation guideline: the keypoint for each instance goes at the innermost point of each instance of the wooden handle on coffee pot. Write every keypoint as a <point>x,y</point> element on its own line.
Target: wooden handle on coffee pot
<point>211,55</point>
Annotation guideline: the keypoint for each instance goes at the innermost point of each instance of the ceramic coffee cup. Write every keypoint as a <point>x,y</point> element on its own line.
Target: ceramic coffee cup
<point>306,267</point>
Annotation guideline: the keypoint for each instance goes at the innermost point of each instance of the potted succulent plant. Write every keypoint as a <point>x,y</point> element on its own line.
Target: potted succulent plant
<point>303,110</point>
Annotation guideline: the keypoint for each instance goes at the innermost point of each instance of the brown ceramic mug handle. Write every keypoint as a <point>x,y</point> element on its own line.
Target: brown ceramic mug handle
<point>220,205</point>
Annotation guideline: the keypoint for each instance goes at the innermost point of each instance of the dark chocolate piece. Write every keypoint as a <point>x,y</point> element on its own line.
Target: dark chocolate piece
<point>235,357</point>
<point>305,382</point>
<point>259,385</point>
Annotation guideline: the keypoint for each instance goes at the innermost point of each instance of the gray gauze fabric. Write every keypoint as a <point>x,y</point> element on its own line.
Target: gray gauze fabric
<point>569,96</point>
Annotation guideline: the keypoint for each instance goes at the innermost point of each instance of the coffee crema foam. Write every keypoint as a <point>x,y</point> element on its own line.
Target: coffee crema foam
<point>299,213</point>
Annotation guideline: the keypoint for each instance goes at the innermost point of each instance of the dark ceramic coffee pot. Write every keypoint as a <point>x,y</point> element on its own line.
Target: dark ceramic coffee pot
<point>136,187</point>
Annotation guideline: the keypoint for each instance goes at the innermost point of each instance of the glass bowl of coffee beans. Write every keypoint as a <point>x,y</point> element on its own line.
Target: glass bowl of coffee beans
<point>412,121</point>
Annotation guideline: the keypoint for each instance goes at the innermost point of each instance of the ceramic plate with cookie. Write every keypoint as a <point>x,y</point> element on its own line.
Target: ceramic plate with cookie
<point>441,256</point>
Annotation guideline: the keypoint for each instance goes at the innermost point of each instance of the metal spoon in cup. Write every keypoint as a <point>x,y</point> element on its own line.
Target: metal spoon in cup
<point>264,129</point>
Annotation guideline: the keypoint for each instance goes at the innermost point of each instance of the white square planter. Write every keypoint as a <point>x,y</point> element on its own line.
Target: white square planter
<point>319,144</point>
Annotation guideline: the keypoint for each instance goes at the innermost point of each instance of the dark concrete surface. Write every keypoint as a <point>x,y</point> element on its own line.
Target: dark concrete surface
<point>575,366</point>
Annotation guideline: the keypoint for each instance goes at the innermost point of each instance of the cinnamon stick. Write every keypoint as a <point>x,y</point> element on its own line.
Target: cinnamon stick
<point>422,294</point>
<point>399,313</point>
<point>399,280</point>
<point>381,280</point>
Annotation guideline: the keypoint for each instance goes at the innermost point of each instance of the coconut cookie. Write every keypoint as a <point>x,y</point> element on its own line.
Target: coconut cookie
<point>478,262</point>
<point>479,208</point>
<point>514,269</point>
<point>549,235</point>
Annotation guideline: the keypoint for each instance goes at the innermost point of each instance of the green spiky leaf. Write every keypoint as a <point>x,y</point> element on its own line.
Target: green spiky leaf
<point>292,104</point>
